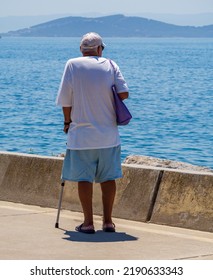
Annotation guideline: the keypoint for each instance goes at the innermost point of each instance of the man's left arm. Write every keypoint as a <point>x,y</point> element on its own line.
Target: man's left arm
<point>123,95</point>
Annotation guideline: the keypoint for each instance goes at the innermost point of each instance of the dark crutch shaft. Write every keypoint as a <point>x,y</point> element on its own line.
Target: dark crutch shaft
<point>59,204</point>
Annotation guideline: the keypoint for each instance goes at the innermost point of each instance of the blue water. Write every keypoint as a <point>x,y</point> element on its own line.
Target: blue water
<point>171,96</point>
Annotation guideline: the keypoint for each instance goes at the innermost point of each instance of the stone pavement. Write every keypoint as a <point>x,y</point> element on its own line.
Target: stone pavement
<point>28,233</point>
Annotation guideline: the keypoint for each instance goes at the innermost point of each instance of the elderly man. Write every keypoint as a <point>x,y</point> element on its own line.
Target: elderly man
<point>93,144</point>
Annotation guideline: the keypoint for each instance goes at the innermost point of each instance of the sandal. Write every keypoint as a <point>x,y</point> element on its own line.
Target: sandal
<point>85,229</point>
<point>109,227</point>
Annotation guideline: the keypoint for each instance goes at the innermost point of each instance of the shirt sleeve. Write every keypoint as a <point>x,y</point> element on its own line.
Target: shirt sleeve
<point>65,92</point>
<point>120,83</point>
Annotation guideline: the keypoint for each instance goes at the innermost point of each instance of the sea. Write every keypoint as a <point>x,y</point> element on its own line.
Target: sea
<point>171,95</point>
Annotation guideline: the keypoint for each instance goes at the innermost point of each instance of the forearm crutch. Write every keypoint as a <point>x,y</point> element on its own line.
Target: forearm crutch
<point>59,204</point>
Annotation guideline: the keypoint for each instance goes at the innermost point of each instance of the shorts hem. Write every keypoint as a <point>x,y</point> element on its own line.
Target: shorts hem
<point>99,181</point>
<point>108,179</point>
<point>76,180</point>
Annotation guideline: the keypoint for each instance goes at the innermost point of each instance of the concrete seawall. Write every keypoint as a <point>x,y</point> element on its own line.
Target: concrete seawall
<point>146,194</point>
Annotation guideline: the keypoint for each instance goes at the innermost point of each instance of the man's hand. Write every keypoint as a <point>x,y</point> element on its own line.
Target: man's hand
<point>66,126</point>
<point>67,118</point>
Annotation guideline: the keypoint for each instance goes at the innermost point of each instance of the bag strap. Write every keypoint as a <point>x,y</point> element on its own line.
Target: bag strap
<point>112,67</point>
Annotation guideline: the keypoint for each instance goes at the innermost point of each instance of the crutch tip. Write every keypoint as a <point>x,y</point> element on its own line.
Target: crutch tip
<point>56,225</point>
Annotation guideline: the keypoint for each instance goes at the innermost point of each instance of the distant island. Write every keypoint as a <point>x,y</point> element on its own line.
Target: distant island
<point>112,26</point>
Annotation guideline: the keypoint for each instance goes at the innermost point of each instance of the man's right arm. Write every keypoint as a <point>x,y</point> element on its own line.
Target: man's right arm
<point>67,118</point>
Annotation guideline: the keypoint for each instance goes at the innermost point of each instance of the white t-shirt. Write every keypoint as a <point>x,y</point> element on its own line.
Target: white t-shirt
<point>86,87</point>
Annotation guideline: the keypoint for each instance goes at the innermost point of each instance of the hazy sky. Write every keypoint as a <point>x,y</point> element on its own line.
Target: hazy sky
<point>49,7</point>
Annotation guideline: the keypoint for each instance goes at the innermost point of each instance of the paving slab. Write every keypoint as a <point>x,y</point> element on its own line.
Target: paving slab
<point>28,233</point>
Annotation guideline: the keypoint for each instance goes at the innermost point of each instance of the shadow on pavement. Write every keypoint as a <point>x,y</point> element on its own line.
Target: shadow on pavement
<point>99,236</point>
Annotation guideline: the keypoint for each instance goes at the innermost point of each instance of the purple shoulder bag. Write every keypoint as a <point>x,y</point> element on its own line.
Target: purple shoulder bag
<point>123,116</point>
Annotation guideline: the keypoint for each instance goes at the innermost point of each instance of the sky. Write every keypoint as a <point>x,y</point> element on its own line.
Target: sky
<point>50,7</point>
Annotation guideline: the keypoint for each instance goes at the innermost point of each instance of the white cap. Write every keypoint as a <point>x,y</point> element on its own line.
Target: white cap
<point>91,41</point>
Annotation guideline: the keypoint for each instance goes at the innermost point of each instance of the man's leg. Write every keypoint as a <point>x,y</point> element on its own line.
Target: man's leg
<point>85,191</point>
<point>108,195</point>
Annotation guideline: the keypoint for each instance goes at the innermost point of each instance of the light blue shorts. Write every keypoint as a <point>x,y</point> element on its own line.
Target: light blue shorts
<point>99,165</point>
